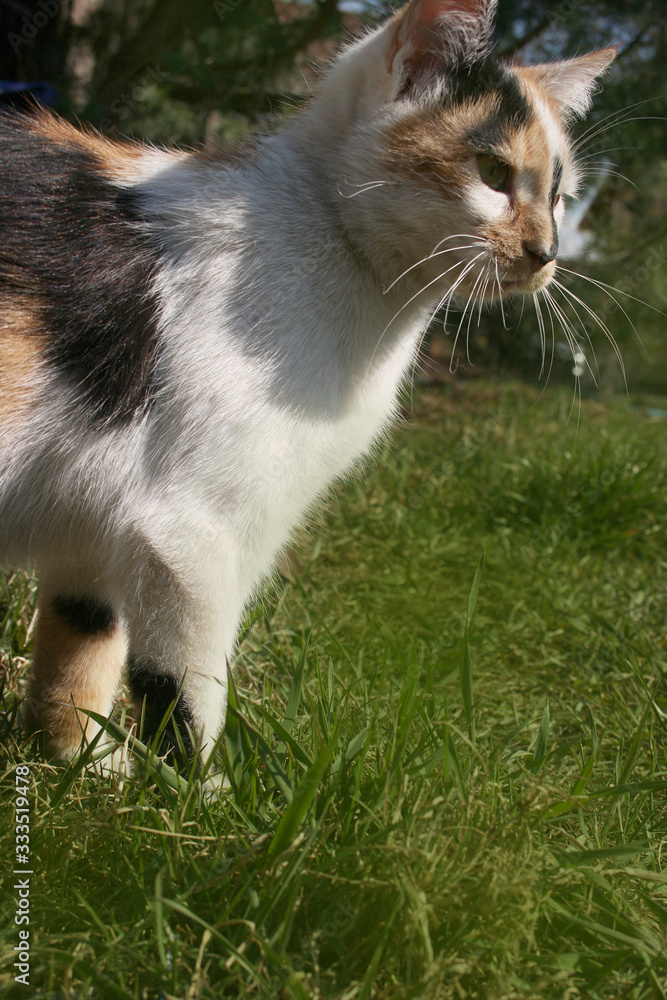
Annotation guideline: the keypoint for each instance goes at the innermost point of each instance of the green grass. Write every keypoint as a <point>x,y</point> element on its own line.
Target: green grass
<point>448,781</point>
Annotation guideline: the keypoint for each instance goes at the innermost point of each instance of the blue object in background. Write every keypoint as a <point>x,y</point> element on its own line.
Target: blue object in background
<point>24,95</point>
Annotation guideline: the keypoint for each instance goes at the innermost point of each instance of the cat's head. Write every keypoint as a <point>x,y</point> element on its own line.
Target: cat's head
<point>447,155</point>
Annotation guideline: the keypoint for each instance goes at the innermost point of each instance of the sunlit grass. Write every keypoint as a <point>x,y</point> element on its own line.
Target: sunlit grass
<point>446,781</point>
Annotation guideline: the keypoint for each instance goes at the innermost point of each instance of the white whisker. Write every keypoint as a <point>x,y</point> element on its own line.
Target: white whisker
<point>596,127</point>
<point>594,316</point>
<point>538,310</point>
<point>594,170</point>
<point>405,305</point>
<point>481,298</point>
<point>456,284</point>
<point>449,295</point>
<point>569,331</point>
<point>603,286</point>
<point>542,331</point>
<point>363,188</point>
<point>469,300</point>
<point>434,253</point>
<point>620,121</point>
<point>557,285</point>
<point>500,297</point>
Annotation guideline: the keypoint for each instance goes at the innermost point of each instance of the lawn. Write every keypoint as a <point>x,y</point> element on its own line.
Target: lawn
<point>446,746</point>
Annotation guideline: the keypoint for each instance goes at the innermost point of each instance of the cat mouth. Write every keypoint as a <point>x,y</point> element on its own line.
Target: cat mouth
<point>525,286</point>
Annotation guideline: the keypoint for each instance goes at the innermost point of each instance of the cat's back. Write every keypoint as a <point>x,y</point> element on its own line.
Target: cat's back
<point>76,300</point>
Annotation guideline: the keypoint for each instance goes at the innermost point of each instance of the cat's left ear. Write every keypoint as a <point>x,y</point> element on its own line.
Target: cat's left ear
<point>433,35</point>
<point>571,84</point>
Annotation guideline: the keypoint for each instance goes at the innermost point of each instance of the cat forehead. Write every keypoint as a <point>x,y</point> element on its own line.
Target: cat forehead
<point>489,108</point>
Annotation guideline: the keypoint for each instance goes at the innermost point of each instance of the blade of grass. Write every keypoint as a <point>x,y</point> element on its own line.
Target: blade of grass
<point>465,660</point>
<point>367,983</point>
<point>296,812</point>
<point>540,751</point>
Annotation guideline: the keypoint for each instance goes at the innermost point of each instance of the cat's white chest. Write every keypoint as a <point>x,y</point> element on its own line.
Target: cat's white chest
<point>297,456</point>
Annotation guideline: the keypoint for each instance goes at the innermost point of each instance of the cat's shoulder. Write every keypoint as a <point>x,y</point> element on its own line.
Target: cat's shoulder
<point>44,137</point>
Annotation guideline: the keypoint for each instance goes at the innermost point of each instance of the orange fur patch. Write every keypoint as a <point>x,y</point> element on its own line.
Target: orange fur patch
<point>118,159</point>
<point>71,669</point>
<point>433,142</point>
<point>425,144</point>
<point>21,346</point>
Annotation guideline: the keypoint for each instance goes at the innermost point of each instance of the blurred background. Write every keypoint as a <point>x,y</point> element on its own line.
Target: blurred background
<point>209,70</point>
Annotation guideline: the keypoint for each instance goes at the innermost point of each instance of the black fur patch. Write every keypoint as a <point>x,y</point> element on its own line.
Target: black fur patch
<point>85,614</point>
<point>157,692</point>
<point>473,82</point>
<point>558,176</point>
<point>71,248</point>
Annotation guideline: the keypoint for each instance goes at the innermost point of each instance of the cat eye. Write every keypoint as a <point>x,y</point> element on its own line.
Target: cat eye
<point>556,200</point>
<point>494,172</point>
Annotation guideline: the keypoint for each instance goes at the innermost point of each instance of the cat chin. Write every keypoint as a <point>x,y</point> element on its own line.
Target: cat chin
<point>518,286</point>
<point>526,286</point>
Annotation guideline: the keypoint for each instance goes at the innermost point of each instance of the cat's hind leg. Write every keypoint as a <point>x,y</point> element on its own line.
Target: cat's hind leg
<point>80,650</point>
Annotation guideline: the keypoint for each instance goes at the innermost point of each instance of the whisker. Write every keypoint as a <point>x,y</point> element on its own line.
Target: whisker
<point>479,293</point>
<point>603,326</point>
<point>595,127</point>
<point>405,305</point>
<point>500,297</point>
<point>553,339</point>
<point>460,236</point>
<point>426,327</point>
<point>561,288</point>
<point>569,331</point>
<point>431,256</point>
<point>423,335</point>
<point>456,284</point>
<point>538,310</point>
<point>542,332</point>
<point>610,149</point>
<point>523,306</point>
<point>481,298</point>
<point>363,188</point>
<point>458,329</point>
<point>614,114</point>
<point>606,172</point>
<point>603,286</point>
<point>469,300</point>
<point>620,121</point>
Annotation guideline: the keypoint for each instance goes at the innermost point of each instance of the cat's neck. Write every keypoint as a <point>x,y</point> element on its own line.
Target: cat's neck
<point>325,321</point>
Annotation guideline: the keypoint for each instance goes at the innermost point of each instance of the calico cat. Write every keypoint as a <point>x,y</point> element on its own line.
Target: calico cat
<point>193,346</point>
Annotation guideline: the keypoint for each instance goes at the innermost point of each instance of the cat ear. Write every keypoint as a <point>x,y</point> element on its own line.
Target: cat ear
<point>572,83</point>
<point>432,35</point>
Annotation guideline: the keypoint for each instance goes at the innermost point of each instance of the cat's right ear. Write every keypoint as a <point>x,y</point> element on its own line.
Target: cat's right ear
<point>431,36</point>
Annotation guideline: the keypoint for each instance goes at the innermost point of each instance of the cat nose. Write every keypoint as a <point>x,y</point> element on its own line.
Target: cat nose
<point>539,257</point>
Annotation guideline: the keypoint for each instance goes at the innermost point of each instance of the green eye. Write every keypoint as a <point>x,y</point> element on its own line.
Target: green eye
<point>494,172</point>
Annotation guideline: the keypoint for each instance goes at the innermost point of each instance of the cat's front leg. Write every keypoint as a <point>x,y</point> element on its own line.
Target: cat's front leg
<point>181,631</point>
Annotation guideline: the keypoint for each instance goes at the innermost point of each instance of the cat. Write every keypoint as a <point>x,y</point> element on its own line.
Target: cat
<point>194,345</point>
